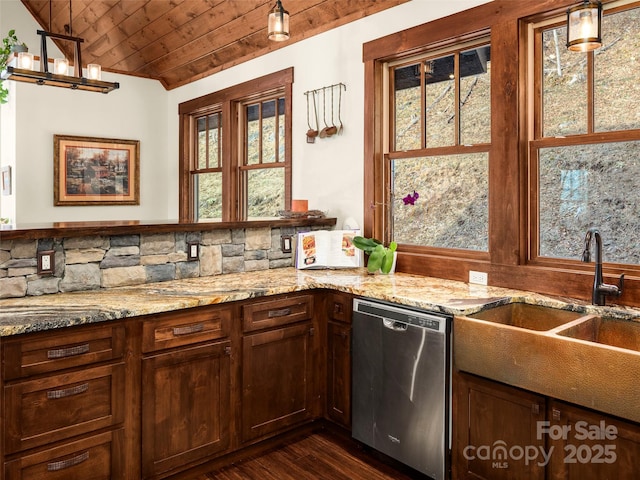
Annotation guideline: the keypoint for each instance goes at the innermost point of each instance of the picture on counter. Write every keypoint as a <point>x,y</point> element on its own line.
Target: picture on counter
<point>327,249</point>
<point>96,171</point>
<point>6,180</point>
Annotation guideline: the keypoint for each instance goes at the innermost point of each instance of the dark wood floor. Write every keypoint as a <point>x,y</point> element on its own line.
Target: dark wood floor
<point>320,456</point>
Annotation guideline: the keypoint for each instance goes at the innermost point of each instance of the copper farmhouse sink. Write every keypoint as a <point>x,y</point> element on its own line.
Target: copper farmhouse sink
<point>586,359</point>
<point>607,331</point>
<point>530,317</point>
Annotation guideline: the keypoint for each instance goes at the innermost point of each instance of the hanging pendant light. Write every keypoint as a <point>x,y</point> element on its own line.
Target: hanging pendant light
<point>584,24</point>
<point>278,23</point>
<point>60,76</point>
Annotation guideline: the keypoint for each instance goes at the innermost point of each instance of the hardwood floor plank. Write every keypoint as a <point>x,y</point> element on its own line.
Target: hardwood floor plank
<point>320,456</point>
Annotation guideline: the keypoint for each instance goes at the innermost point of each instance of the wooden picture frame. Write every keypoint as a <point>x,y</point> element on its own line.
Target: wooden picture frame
<point>95,171</point>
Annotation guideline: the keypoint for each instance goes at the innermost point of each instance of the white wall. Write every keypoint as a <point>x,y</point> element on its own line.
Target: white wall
<point>136,111</point>
<point>328,173</point>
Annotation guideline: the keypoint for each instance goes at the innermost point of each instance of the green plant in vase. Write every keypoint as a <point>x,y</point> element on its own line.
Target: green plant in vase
<point>380,257</point>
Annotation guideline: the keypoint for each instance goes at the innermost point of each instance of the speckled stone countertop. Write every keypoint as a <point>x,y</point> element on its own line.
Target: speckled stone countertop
<point>31,314</point>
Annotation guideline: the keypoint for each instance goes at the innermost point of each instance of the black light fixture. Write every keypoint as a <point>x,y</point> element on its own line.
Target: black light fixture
<point>60,76</point>
<point>278,23</point>
<point>584,26</point>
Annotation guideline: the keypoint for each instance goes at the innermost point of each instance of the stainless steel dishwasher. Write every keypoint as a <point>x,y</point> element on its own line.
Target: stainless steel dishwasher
<point>401,384</point>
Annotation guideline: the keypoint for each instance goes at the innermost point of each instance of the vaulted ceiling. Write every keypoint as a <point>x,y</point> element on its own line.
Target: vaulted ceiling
<point>180,41</point>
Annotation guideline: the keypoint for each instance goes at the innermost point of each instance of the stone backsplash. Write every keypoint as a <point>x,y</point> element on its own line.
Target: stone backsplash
<point>91,263</point>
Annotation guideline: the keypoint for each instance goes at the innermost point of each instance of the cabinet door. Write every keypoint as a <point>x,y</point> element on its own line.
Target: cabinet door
<point>590,446</point>
<point>185,406</point>
<point>276,379</point>
<point>493,425</point>
<point>339,373</point>
<point>339,307</point>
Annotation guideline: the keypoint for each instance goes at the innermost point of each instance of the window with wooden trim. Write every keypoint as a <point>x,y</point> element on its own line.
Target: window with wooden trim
<point>236,151</point>
<point>439,137</point>
<point>585,141</point>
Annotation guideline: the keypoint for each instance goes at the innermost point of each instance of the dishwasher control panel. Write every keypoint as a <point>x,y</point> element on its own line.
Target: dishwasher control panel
<point>390,312</point>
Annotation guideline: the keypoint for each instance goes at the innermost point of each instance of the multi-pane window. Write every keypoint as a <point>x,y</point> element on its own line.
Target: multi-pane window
<point>207,171</point>
<point>440,135</point>
<point>584,154</point>
<point>263,165</point>
<point>236,151</point>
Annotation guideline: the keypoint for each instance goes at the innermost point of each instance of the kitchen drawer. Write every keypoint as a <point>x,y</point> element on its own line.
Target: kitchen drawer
<point>273,313</point>
<point>49,409</point>
<point>25,356</point>
<point>339,307</point>
<point>97,458</point>
<point>185,327</point>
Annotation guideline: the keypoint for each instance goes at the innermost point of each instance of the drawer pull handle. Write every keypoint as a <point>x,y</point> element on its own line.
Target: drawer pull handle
<point>189,329</point>
<point>67,392</point>
<point>61,465</point>
<point>283,312</point>
<point>68,352</point>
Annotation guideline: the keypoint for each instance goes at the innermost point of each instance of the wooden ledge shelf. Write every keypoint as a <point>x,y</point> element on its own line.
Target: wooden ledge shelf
<point>128,227</point>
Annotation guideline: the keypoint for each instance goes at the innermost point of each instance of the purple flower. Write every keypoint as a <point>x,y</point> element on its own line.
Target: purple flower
<point>411,198</point>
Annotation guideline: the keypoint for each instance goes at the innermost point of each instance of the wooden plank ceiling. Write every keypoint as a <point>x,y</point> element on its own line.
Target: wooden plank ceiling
<point>180,41</point>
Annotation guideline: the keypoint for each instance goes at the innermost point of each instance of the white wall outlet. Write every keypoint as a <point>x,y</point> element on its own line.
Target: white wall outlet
<point>193,251</point>
<point>46,262</point>
<point>286,243</point>
<point>479,278</point>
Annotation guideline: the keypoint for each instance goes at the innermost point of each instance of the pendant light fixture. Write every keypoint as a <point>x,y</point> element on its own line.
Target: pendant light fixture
<point>278,23</point>
<point>60,76</point>
<point>584,24</point>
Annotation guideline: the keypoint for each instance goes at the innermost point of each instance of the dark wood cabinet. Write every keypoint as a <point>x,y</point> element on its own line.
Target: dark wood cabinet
<point>186,391</point>
<point>588,445</point>
<point>338,389</point>
<point>278,382</point>
<point>63,404</point>
<point>186,406</point>
<point>98,457</point>
<point>489,420</point>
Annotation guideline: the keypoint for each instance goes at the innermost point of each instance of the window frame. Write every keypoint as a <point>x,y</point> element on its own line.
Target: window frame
<point>451,47</point>
<point>537,141</point>
<point>507,266</point>
<point>230,102</point>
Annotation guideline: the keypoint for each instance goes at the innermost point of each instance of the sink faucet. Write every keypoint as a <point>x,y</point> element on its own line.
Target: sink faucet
<point>600,289</point>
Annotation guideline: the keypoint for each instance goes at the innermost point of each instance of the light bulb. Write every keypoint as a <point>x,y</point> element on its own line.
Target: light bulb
<point>61,66</point>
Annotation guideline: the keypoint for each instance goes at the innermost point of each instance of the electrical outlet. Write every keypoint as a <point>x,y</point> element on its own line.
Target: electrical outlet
<point>479,278</point>
<point>285,243</point>
<point>193,251</point>
<point>46,262</point>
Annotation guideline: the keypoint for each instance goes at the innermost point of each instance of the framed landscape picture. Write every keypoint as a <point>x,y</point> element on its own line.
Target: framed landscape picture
<point>95,171</point>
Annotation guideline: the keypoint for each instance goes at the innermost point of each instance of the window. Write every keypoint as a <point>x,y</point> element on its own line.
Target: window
<point>236,151</point>
<point>586,142</point>
<point>439,138</point>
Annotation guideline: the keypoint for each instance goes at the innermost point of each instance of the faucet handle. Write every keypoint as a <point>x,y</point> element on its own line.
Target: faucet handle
<point>620,285</point>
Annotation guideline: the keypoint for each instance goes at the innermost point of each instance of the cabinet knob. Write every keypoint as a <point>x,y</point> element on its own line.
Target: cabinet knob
<point>535,408</point>
<point>556,414</point>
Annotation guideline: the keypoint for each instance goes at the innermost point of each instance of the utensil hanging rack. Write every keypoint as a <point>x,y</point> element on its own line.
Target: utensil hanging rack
<point>328,131</point>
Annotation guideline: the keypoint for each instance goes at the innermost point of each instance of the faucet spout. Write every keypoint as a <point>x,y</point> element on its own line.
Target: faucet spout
<point>600,289</point>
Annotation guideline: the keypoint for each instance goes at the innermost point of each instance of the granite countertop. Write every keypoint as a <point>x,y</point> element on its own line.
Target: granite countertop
<point>31,314</point>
